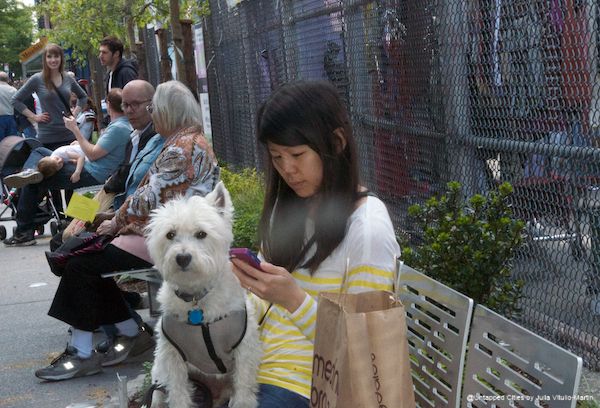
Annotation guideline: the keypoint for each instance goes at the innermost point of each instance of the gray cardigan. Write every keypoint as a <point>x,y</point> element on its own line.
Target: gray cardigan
<point>55,130</point>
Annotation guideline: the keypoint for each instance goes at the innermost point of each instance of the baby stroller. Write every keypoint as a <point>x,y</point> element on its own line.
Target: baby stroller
<point>14,151</point>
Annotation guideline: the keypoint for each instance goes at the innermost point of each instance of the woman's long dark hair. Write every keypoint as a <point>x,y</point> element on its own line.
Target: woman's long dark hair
<point>307,113</point>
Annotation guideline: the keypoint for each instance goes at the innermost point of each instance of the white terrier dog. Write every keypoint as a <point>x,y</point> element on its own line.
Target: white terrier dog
<point>207,330</point>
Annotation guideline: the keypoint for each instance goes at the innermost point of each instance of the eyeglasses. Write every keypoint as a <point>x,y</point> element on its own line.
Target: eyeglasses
<point>133,105</point>
<point>150,108</point>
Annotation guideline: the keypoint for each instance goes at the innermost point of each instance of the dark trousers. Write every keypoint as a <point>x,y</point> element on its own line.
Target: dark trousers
<point>84,299</point>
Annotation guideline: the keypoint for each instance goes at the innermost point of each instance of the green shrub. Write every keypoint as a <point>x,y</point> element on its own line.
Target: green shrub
<point>246,188</point>
<point>469,245</point>
<point>588,404</point>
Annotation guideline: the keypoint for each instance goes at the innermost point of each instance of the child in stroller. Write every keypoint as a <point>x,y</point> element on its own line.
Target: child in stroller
<point>14,150</point>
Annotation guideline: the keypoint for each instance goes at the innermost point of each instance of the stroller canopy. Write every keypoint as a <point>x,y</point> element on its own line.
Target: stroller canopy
<point>14,150</point>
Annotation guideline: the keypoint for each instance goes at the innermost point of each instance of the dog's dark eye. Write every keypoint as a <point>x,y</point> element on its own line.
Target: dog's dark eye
<point>170,234</point>
<point>200,235</point>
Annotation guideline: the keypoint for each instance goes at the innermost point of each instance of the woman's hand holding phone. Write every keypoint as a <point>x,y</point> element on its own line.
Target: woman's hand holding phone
<point>245,255</point>
<point>267,281</point>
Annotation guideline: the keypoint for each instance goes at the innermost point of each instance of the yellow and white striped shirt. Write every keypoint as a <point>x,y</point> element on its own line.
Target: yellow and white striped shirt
<point>370,248</point>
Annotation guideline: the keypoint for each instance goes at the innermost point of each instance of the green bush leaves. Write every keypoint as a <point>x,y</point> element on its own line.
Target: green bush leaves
<point>469,245</point>
<point>246,188</point>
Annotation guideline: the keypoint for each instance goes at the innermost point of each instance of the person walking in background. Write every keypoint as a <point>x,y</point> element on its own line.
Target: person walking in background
<point>120,70</point>
<point>8,125</point>
<point>318,224</point>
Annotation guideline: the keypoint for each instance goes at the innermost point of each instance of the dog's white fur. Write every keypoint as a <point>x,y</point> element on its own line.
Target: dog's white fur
<point>202,227</point>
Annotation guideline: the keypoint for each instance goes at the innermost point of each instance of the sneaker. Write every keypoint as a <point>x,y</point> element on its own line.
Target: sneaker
<point>23,178</point>
<point>118,349</point>
<point>70,365</point>
<point>20,239</point>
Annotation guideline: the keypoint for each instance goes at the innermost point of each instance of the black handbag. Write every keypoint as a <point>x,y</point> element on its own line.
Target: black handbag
<point>84,243</point>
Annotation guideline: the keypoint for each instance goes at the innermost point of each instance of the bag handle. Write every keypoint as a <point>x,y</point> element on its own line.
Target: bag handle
<point>343,286</point>
<point>395,285</point>
<point>398,270</point>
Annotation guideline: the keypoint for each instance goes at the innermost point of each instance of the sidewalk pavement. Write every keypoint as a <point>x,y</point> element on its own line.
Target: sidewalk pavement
<point>30,339</point>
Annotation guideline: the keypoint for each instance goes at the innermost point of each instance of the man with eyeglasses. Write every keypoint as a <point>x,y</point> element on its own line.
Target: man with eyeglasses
<point>137,95</point>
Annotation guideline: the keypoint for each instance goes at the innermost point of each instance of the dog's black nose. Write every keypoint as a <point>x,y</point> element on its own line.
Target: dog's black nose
<point>183,260</point>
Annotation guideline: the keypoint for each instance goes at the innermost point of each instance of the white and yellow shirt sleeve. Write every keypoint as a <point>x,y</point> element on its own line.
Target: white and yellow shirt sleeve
<point>369,251</point>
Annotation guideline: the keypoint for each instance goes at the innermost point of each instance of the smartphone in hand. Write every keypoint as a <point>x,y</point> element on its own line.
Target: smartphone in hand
<point>245,255</point>
<point>66,114</point>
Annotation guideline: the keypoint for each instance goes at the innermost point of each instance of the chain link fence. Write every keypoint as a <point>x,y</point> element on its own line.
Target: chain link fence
<point>479,91</point>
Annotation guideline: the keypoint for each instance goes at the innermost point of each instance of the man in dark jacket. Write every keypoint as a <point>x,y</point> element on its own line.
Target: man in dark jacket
<point>120,70</point>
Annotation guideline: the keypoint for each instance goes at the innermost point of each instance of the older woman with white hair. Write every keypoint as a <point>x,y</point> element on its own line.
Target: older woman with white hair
<point>185,166</point>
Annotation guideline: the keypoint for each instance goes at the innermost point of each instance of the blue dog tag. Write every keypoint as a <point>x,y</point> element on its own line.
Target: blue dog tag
<point>195,317</point>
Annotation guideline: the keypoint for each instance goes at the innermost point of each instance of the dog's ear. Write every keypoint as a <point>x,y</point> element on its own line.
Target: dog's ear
<point>221,200</point>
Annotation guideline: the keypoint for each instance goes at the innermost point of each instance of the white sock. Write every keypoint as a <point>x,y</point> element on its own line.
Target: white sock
<point>82,341</point>
<point>128,328</point>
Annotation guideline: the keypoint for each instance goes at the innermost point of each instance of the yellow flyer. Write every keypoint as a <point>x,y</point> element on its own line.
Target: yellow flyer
<point>82,208</point>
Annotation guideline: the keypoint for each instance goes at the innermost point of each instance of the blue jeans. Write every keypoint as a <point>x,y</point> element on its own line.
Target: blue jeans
<point>30,131</point>
<point>31,195</point>
<point>8,126</point>
<point>270,396</point>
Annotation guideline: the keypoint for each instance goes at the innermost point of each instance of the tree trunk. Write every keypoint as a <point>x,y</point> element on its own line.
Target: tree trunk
<point>130,33</point>
<point>140,54</point>
<point>189,62</point>
<point>177,38</point>
<point>165,61</point>
<point>97,84</point>
<point>141,57</point>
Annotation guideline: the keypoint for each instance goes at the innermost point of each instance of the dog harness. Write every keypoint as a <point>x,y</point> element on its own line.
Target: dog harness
<point>207,346</point>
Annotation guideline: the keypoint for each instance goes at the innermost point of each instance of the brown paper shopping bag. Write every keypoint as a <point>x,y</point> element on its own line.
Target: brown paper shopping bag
<point>361,353</point>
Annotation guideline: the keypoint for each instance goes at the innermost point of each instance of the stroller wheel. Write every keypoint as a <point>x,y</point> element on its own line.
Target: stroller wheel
<point>2,232</point>
<point>53,228</point>
<point>40,230</point>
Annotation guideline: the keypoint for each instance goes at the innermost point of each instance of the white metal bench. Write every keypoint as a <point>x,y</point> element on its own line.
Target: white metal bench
<point>153,280</point>
<point>509,364</point>
<point>506,364</point>
<point>438,319</point>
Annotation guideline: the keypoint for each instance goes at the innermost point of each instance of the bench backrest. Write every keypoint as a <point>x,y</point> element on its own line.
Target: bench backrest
<point>438,320</point>
<point>506,361</point>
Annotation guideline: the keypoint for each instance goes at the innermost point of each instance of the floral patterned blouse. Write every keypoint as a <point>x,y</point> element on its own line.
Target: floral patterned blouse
<point>186,166</point>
